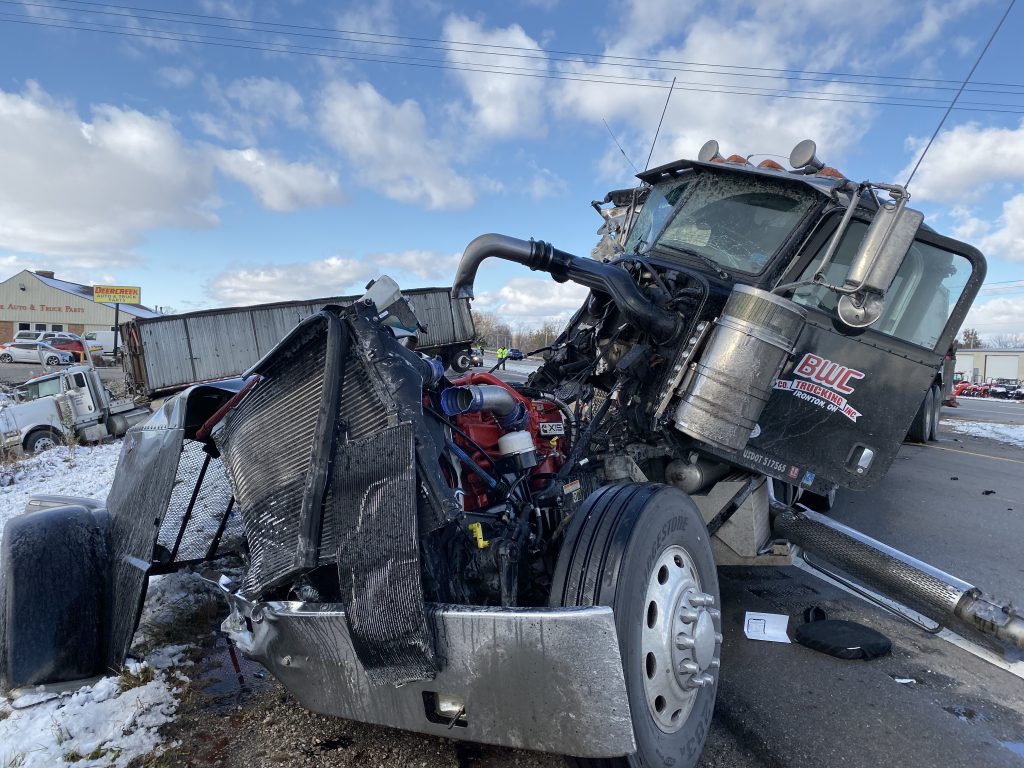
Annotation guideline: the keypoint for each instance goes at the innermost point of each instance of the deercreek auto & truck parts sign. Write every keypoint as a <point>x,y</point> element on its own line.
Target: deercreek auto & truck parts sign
<point>823,383</point>
<point>117,294</point>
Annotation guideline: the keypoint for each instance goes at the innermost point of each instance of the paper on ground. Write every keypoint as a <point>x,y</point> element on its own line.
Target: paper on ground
<point>766,626</point>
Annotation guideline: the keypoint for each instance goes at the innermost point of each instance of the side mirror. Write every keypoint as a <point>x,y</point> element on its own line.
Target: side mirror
<point>879,257</point>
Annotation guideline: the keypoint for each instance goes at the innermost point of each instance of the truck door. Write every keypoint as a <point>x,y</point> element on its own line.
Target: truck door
<point>79,396</point>
<point>843,403</point>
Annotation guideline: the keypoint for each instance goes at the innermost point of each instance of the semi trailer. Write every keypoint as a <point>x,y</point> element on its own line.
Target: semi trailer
<point>534,565</point>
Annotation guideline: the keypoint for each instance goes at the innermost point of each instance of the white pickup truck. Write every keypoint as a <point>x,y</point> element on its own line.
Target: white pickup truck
<point>70,401</point>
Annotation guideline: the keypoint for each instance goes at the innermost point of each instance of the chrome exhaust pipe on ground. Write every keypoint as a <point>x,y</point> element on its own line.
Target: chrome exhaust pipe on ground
<point>937,595</point>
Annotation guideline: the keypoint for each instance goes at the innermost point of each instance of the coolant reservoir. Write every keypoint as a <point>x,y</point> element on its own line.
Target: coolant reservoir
<point>518,446</point>
<point>728,387</point>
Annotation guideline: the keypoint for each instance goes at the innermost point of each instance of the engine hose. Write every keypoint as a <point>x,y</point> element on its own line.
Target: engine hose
<point>472,398</point>
<point>475,468</point>
<point>615,281</point>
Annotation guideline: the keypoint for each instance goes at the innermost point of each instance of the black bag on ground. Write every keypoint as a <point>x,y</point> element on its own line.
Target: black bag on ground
<point>840,638</point>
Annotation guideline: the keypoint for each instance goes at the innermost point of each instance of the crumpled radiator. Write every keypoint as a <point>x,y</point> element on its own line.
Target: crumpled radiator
<point>322,458</point>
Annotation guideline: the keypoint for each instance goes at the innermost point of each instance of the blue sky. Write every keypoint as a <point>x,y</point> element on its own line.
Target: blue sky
<point>247,171</point>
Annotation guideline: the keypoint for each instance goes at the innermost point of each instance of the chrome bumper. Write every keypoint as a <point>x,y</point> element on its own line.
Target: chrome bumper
<point>548,679</point>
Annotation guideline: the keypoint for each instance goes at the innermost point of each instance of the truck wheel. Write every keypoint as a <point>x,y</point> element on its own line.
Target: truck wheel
<point>933,427</point>
<point>460,362</point>
<point>644,550</point>
<point>6,358</point>
<point>42,440</point>
<point>920,427</point>
<point>53,596</point>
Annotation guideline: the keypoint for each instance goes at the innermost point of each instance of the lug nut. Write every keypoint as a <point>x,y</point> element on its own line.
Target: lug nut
<point>688,616</point>
<point>715,664</point>
<point>684,642</point>
<point>701,599</point>
<point>718,637</point>
<point>705,680</point>
<point>714,613</point>
<point>688,668</point>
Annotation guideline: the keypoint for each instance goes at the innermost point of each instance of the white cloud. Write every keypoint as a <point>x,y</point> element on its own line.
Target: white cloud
<point>426,265</point>
<point>249,107</point>
<point>966,160</point>
<point>265,100</point>
<point>80,187</point>
<point>1007,238</point>
<point>390,147</point>
<point>533,301</point>
<point>278,184</point>
<point>546,183</point>
<point>742,124</point>
<point>176,77</point>
<point>1004,314</point>
<point>503,105</point>
<point>320,278</point>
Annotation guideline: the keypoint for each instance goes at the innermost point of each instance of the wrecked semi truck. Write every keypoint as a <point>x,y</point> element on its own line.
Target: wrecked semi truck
<point>70,404</point>
<point>535,565</point>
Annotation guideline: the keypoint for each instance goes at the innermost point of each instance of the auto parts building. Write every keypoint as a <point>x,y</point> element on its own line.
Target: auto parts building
<point>38,301</point>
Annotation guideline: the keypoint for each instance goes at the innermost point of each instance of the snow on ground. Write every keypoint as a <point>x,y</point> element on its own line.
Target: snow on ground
<point>1004,433</point>
<point>117,718</point>
<point>80,471</point>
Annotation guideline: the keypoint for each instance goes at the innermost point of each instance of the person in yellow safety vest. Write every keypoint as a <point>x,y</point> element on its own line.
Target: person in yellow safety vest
<point>502,355</point>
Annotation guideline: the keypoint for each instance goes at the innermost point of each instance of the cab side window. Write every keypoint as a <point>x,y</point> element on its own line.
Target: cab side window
<point>919,302</point>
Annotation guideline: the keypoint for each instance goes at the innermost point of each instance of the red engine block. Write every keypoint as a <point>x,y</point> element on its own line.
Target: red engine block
<point>485,431</point>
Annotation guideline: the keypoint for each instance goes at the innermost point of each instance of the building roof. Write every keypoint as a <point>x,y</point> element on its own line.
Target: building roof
<point>993,350</point>
<point>85,292</point>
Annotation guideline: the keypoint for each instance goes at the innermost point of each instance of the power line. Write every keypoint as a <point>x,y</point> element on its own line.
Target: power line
<point>962,85</point>
<point>378,36</point>
<point>148,33</point>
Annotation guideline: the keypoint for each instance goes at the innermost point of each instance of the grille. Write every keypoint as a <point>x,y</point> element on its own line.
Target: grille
<point>266,443</point>
<point>327,480</point>
<point>200,519</point>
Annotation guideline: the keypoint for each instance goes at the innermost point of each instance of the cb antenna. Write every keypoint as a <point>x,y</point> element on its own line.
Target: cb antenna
<point>658,130</point>
<point>617,144</point>
<point>961,90</point>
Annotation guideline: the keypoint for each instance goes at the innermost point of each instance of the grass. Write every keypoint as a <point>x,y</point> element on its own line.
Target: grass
<point>17,760</point>
<point>98,753</point>
<point>126,679</point>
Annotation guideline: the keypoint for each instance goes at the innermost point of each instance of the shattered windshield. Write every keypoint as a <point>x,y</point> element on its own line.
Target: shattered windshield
<point>737,222</point>
<point>660,201</point>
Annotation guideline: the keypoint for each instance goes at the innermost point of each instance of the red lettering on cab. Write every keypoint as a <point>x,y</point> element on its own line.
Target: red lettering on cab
<point>828,373</point>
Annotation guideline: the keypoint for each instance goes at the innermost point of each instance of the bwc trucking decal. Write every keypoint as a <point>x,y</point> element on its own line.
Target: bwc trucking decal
<point>823,383</point>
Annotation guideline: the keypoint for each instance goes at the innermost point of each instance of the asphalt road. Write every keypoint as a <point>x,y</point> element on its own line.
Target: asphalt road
<point>986,409</point>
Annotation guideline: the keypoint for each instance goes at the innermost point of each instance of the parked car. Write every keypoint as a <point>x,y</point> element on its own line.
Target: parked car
<point>476,359</point>
<point>34,352</point>
<point>77,347</point>
<point>42,335</point>
<point>515,354</point>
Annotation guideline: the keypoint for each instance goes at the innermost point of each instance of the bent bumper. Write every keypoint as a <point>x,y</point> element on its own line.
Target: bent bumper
<point>548,679</point>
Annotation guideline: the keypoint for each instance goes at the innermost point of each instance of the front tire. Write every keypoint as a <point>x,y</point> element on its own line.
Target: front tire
<point>6,358</point>
<point>644,550</point>
<point>42,440</point>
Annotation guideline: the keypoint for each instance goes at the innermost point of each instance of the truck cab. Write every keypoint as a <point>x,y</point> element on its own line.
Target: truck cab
<point>70,402</point>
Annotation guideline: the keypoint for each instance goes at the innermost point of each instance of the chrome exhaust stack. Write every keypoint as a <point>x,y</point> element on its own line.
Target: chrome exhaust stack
<point>945,599</point>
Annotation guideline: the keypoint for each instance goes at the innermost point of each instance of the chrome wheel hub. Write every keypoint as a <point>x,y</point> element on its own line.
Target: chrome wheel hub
<point>680,644</point>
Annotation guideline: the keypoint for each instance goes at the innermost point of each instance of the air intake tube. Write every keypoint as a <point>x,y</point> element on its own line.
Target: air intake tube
<point>511,413</point>
<point>543,257</point>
